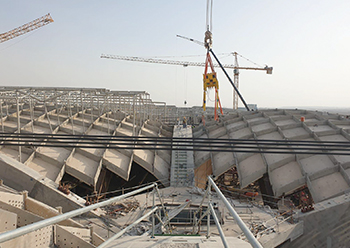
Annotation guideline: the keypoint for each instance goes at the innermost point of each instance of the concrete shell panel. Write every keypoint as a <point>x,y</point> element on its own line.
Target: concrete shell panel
<point>145,158</point>
<point>83,168</point>
<point>286,122</point>
<point>320,128</point>
<point>286,178</point>
<point>243,133</point>
<point>222,161</point>
<point>45,168</point>
<point>263,128</point>
<point>314,164</point>
<point>161,169</point>
<point>235,126</point>
<point>117,162</point>
<point>57,153</point>
<point>202,156</point>
<point>337,137</point>
<point>217,132</point>
<point>295,133</point>
<point>273,135</point>
<point>12,152</point>
<point>255,120</point>
<point>328,186</point>
<point>251,169</point>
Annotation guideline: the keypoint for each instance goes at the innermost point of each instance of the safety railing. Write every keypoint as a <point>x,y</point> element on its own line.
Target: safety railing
<point>54,220</point>
<point>210,211</point>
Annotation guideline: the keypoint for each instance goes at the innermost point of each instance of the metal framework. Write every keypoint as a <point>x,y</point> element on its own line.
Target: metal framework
<point>79,111</point>
<point>89,102</point>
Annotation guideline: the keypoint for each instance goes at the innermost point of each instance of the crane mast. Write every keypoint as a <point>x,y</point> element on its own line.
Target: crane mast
<point>236,76</point>
<point>37,23</point>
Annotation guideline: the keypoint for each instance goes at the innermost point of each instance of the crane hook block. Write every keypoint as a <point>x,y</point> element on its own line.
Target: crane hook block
<point>208,39</point>
<point>210,80</point>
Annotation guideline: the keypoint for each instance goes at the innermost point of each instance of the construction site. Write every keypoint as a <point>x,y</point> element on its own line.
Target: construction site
<point>98,167</point>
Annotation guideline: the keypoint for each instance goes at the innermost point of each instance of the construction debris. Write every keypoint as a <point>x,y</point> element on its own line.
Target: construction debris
<point>229,182</point>
<point>64,188</point>
<point>121,208</point>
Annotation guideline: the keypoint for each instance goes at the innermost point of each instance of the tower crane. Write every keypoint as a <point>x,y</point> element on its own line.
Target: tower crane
<point>234,66</point>
<point>236,76</point>
<point>30,26</point>
<point>161,61</point>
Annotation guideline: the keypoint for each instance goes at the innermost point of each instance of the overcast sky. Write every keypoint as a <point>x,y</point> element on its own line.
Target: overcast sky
<point>306,42</point>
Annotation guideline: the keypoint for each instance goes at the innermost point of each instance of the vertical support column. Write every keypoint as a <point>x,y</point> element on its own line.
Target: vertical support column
<point>70,115</point>
<point>47,114</point>
<point>153,215</point>
<point>208,216</point>
<point>82,109</point>
<point>130,106</point>
<point>56,101</point>
<point>139,110</point>
<point>108,111</point>
<point>2,118</point>
<point>133,121</point>
<point>18,127</point>
<point>165,112</point>
<point>115,113</point>
<point>92,107</point>
<point>98,105</point>
<point>31,110</point>
<point>75,101</point>
<point>144,108</point>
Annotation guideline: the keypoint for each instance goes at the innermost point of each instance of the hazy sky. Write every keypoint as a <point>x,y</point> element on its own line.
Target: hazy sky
<point>307,43</point>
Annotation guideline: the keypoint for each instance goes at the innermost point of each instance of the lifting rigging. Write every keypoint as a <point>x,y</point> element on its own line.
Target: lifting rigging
<point>210,79</point>
<point>37,23</point>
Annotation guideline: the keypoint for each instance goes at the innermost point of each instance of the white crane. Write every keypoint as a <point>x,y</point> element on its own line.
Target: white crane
<point>235,66</point>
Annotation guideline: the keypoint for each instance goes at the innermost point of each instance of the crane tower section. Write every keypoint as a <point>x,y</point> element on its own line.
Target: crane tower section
<point>37,23</point>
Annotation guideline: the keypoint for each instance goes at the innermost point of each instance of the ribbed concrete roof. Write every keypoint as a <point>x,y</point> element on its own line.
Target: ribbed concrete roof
<point>83,111</point>
<point>325,175</point>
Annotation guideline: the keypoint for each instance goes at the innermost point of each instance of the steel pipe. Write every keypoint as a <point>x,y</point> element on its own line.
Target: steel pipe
<point>252,240</point>
<point>221,232</point>
<point>117,235</point>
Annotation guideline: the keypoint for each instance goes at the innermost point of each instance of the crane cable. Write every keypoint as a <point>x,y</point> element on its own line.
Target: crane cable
<point>210,79</point>
<point>209,23</point>
<point>208,37</point>
<point>248,60</point>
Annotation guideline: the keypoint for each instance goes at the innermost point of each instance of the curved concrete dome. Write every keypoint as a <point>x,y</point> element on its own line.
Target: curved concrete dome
<point>326,176</point>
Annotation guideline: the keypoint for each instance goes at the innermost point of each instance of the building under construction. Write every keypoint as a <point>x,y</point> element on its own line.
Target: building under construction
<point>72,151</point>
<point>93,167</point>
